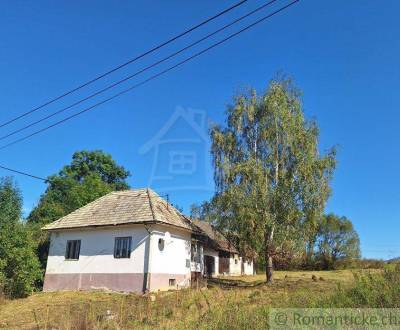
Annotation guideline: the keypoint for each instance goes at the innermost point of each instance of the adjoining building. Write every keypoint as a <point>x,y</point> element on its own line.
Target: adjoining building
<point>220,255</point>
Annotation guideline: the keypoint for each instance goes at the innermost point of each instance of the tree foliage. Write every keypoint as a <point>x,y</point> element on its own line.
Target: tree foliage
<point>336,241</point>
<point>271,181</point>
<point>90,175</point>
<point>19,266</point>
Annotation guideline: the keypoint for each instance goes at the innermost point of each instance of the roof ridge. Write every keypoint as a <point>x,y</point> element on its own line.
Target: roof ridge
<point>187,218</point>
<point>169,205</point>
<point>151,204</point>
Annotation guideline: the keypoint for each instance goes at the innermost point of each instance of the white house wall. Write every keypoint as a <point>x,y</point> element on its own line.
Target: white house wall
<point>97,267</point>
<point>171,263</point>
<point>235,268</point>
<point>248,267</point>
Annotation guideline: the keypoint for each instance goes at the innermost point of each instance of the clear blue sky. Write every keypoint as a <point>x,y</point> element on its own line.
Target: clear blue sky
<point>344,55</point>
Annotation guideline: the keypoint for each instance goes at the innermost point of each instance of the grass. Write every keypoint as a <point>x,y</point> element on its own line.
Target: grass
<point>227,303</point>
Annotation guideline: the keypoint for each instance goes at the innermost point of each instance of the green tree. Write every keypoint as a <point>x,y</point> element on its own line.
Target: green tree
<point>19,266</point>
<point>91,174</point>
<point>336,240</point>
<point>271,181</point>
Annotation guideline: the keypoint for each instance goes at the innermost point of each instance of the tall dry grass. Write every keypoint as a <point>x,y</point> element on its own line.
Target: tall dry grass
<point>240,303</point>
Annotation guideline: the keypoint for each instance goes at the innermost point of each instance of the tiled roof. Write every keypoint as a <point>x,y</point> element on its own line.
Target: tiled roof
<point>219,240</point>
<point>123,207</point>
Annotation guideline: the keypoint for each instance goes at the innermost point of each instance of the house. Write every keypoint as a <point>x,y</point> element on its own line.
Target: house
<point>220,255</point>
<point>131,241</point>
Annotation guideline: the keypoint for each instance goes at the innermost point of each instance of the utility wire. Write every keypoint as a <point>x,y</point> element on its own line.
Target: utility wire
<point>140,71</point>
<point>154,76</point>
<point>23,173</point>
<point>152,50</point>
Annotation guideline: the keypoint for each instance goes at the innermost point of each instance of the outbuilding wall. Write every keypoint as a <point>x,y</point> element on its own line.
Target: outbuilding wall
<point>248,267</point>
<point>235,265</point>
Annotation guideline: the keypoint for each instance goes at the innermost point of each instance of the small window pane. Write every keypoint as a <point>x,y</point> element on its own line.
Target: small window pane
<point>77,249</point>
<point>122,248</point>
<point>73,250</point>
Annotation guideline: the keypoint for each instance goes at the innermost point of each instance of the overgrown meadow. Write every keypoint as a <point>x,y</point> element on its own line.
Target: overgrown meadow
<point>234,303</point>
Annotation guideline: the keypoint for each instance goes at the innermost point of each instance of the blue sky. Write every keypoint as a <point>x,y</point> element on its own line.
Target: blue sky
<point>342,54</point>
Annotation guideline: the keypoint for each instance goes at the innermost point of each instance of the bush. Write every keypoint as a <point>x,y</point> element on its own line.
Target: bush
<point>19,267</point>
<point>373,290</point>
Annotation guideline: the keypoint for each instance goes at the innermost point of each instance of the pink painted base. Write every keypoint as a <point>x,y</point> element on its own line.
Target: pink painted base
<point>117,282</point>
<point>128,282</point>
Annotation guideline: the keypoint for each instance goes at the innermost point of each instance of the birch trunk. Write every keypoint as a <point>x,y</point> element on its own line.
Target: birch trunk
<point>269,266</point>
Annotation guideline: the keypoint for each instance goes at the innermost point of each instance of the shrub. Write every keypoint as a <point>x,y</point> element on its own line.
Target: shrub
<point>373,290</point>
<point>19,266</point>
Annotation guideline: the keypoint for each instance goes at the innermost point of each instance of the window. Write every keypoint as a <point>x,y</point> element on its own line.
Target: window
<point>172,282</point>
<point>73,249</point>
<point>236,261</point>
<point>161,244</point>
<point>122,248</point>
<point>187,263</point>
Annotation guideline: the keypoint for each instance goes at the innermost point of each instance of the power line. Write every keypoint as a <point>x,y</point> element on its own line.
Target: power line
<point>152,77</point>
<point>23,173</point>
<point>152,50</point>
<point>140,71</point>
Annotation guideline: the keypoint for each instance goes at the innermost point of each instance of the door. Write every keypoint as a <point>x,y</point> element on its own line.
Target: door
<point>223,262</point>
<point>209,265</point>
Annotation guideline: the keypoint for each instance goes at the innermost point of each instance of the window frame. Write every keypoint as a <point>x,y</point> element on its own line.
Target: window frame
<point>73,249</point>
<point>119,244</point>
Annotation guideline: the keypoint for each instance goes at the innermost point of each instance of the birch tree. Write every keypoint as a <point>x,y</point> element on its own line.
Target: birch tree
<point>271,182</point>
